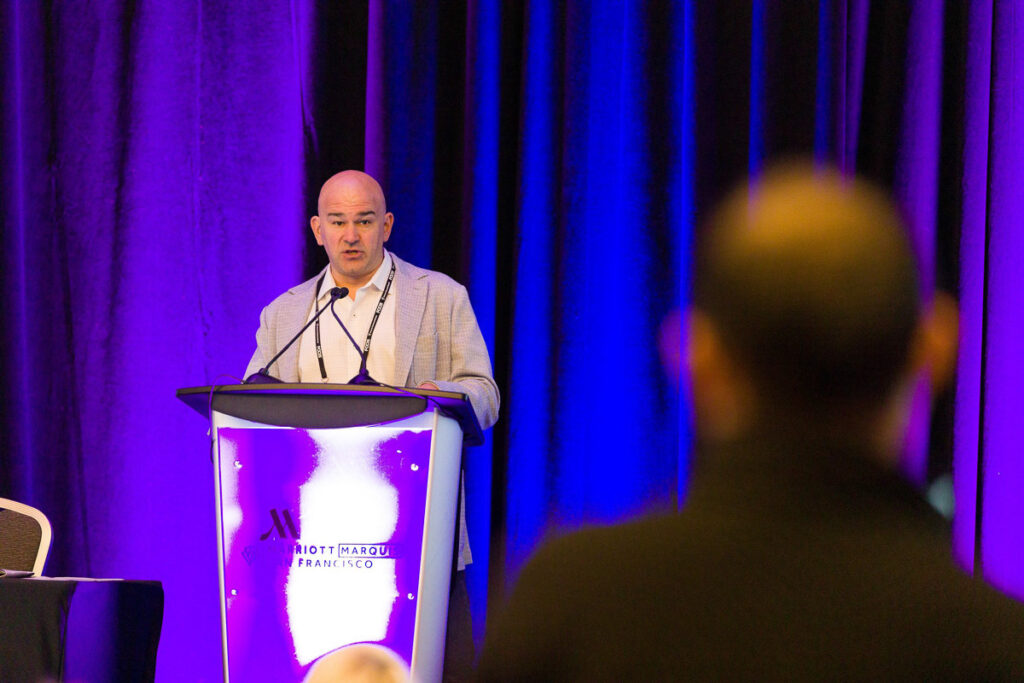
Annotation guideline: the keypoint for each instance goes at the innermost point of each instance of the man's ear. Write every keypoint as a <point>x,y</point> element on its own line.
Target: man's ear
<point>701,344</point>
<point>936,341</point>
<point>722,395</point>
<point>389,220</point>
<point>314,223</point>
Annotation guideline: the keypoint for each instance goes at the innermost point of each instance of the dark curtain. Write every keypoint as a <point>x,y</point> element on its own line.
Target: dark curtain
<point>159,162</point>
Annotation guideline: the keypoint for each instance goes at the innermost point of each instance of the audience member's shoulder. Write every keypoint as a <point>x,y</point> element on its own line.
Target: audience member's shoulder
<point>987,641</point>
<point>983,605</point>
<point>597,548</point>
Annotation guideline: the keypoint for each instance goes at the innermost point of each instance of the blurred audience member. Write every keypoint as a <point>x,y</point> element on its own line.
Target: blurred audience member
<point>360,663</point>
<point>800,554</point>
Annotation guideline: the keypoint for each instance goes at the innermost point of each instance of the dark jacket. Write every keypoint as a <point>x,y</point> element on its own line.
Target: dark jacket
<point>792,560</point>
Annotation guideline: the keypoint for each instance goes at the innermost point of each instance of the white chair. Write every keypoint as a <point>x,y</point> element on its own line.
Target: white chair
<point>25,536</point>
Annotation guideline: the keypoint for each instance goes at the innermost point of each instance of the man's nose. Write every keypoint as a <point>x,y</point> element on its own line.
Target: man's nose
<point>350,234</point>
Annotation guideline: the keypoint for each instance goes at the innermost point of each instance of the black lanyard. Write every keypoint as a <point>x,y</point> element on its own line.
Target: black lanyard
<point>369,332</point>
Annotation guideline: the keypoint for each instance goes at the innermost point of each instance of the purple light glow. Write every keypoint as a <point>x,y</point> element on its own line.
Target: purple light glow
<point>1002,508</point>
<point>159,154</point>
<point>972,281</point>
<point>990,394</point>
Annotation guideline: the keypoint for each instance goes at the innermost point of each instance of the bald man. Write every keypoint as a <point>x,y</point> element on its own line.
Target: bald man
<point>426,334</point>
<point>800,554</point>
<point>423,335</point>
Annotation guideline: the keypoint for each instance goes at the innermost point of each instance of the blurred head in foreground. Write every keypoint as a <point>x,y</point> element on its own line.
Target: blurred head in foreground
<point>807,311</point>
<point>360,663</point>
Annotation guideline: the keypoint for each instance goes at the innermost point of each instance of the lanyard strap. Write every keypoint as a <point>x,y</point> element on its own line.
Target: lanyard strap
<point>319,349</point>
<point>369,332</point>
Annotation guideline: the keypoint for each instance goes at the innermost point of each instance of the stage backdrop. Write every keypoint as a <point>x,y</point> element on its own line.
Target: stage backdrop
<point>159,162</point>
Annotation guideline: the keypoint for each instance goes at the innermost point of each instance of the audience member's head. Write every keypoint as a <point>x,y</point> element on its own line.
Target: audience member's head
<point>807,307</point>
<point>359,663</point>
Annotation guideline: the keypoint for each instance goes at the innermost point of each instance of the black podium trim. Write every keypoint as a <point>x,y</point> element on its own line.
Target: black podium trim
<point>317,406</point>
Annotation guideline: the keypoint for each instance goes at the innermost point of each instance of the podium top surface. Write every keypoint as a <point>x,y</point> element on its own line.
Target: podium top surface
<point>313,406</point>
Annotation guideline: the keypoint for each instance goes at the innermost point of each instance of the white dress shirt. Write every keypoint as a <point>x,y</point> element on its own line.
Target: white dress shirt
<point>340,357</point>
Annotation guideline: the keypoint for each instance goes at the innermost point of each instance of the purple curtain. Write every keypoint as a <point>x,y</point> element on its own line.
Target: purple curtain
<point>153,195</point>
<point>989,469</point>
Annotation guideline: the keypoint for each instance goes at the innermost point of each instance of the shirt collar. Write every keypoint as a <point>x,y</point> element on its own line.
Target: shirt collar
<point>379,279</point>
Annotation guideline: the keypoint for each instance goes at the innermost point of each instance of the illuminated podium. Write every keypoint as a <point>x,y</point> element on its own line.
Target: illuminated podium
<point>336,513</point>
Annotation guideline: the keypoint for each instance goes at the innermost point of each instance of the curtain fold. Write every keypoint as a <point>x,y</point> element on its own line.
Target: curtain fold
<point>988,468</point>
<point>592,420</point>
<point>479,259</point>
<point>153,201</point>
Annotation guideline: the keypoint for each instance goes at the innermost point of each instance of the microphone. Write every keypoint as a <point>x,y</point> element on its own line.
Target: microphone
<point>263,376</point>
<point>362,377</point>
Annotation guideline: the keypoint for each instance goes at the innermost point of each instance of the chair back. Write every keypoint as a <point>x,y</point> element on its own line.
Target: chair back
<point>25,536</point>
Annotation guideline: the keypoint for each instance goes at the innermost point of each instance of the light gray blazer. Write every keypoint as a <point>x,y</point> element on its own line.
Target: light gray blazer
<point>437,338</point>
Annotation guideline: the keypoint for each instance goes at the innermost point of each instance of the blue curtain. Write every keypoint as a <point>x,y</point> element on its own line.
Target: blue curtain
<point>599,236</point>
<point>159,162</point>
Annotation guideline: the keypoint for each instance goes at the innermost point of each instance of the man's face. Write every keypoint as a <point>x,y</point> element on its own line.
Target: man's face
<point>352,227</point>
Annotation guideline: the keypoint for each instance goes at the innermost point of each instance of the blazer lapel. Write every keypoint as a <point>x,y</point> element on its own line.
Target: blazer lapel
<point>293,316</point>
<point>412,299</point>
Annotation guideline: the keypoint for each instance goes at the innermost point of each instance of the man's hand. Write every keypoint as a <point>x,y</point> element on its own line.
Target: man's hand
<point>428,385</point>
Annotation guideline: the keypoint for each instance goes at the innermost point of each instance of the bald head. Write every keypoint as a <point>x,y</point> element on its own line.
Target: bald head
<point>359,663</point>
<point>352,182</point>
<point>352,224</point>
<point>809,281</point>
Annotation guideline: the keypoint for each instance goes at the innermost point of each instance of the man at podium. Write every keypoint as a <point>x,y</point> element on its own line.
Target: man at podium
<point>403,326</point>
<point>416,327</point>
